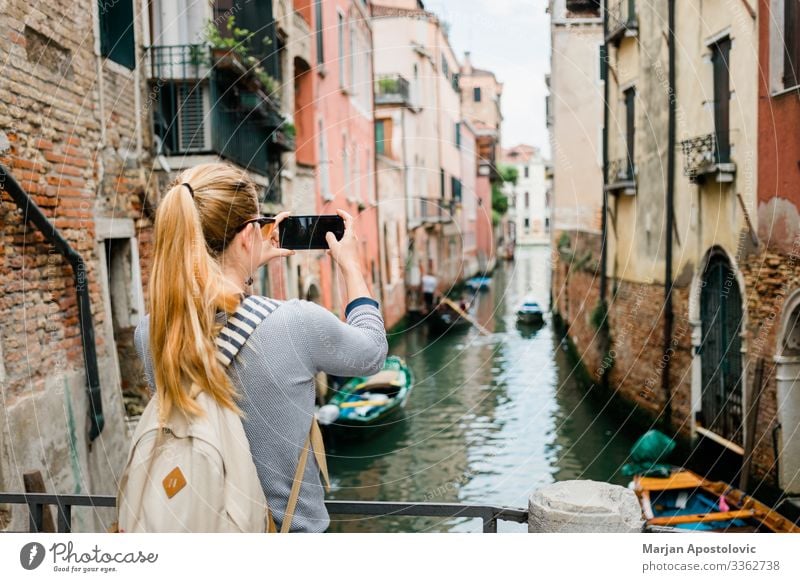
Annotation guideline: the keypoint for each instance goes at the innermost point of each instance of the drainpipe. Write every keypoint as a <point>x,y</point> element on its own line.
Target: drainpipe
<point>668,313</point>
<point>34,214</point>
<point>604,218</point>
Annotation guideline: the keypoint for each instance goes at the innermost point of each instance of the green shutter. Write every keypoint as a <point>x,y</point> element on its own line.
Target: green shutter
<point>379,137</point>
<point>116,32</point>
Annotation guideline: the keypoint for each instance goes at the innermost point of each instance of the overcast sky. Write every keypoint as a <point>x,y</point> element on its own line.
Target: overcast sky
<point>512,39</point>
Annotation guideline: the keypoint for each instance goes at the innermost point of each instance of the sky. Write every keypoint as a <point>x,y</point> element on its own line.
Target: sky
<point>512,39</point>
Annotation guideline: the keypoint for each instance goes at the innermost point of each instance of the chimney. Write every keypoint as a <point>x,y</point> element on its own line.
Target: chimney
<point>467,66</point>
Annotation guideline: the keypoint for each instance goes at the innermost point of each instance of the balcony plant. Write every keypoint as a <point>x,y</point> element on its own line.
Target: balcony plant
<point>236,45</point>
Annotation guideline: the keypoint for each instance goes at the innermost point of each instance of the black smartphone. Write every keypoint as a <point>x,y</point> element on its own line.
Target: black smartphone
<point>308,232</point>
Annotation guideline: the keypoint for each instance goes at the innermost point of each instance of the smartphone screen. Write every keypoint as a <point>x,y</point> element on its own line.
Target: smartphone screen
<point>308,232</point>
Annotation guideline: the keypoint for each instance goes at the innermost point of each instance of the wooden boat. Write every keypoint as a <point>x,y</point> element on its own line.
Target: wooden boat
<point>529,313</point>
<point>685,501</point>
<point>368,402</point>
<point>445,319</point>
<point>479,283</point>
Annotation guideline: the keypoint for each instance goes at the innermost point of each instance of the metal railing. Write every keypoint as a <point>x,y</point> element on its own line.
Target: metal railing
<point>620,172</point>
<point>392,89</point>
<point>488,514</point>
<point>621,19</point>
<point>178,62</point>
<point>196,110</point>
<point>583,6</point>
<point>701,155</point>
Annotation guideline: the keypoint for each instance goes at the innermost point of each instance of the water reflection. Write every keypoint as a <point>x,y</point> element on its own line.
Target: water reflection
<point>490,418</point>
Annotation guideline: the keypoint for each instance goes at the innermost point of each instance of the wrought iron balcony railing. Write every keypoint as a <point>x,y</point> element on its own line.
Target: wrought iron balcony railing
<point>702,156</point>
<point>622,20</point>
<point>583,6</point>
<point>621,176</point>
<point>392,90</point>
<point>181,62</point>
<point>202,103</point>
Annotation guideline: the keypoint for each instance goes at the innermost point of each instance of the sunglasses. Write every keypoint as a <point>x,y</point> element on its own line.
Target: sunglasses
<point>266,223</point>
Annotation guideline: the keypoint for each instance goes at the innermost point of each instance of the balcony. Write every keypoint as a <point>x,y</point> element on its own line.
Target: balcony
<point>431,211</point>
<point>702,158</point>
<point>205,101</point>
<point>392,90</point>
<point>584,7</point>
<point>622,21</point>
<point>621,178</point>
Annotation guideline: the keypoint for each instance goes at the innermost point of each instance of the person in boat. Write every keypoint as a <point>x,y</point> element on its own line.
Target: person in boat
<point>209,241</point>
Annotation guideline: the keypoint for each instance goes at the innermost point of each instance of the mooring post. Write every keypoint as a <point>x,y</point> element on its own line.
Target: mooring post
<point>584,507</point>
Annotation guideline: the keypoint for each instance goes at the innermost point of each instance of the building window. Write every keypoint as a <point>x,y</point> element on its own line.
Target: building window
<point>791,43</point>
<point>630,128</point>
<point>476,94</point>
<point>458,134</point>
<point>380,136</point>
<point>527,225</point>
<point>319,31</point>
<point>526,171</point>
<point>527,200</point>
<point>324,170</point>
<point>342,61</point>
<point>455,186</point>
<point>445,68</point>
<point>116,32</point>
<point>720,59</point>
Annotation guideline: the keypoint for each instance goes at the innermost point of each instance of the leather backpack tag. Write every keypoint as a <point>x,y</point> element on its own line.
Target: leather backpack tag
<point>174,482</point>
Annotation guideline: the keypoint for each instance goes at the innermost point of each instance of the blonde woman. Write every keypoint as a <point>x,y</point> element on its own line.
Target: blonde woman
<point>209,242</point>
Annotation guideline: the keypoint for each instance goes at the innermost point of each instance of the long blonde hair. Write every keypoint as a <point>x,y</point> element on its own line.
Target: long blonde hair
<point>193,226</point>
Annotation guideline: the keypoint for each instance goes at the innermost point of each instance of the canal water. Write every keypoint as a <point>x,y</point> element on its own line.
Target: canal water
<point>490,418</point>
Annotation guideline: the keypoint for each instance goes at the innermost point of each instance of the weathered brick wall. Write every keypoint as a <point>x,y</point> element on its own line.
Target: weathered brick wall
<point>51,117</point>
<point>52,131</point>
<point>636,356</point>
<point>771,277</point>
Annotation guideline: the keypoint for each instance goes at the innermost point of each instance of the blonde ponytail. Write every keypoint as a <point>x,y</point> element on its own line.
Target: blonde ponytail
<point>193,225</point>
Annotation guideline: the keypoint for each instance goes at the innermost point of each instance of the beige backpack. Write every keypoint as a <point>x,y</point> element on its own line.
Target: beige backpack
<point>198,475</point>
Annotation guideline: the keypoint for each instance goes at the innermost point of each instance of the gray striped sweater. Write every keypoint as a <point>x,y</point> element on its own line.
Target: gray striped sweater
<point>274,374</point>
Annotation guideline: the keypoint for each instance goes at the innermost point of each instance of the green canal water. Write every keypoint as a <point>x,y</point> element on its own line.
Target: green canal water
<point>490,418</point>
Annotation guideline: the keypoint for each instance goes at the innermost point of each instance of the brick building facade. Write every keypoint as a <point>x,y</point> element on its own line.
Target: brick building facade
<point>74,142</point>
<point>730,346</point>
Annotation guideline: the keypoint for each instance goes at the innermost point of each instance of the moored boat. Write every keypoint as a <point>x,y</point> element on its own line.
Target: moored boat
<point>677,499</point>
<point>684,500</point>
<point>370,402</point>
<point>530,313</point>
<point>479,283</point>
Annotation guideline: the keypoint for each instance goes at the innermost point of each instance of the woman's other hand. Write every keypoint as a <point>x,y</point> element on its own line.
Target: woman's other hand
<point>345,252</point>
<point>270,248</point>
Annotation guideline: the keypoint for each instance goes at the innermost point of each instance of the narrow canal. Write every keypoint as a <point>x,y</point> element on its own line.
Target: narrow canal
<point>490,417</point>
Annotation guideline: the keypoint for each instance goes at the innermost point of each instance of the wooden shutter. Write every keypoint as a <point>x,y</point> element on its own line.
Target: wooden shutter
<point>116,32</point>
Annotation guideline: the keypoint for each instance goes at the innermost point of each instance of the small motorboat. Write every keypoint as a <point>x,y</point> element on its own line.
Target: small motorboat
<point>479,283</point>
<point>368,402</point>
<point>530,313</point>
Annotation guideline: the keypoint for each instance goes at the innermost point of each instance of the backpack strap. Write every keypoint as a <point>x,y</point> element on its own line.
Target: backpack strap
<point>315,443</point>
<point>231,339</point>
<point>241,324</point>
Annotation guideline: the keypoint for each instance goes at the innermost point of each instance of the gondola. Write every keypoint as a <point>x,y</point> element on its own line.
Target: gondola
<point>443,319</point>
<point>365,404</point>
